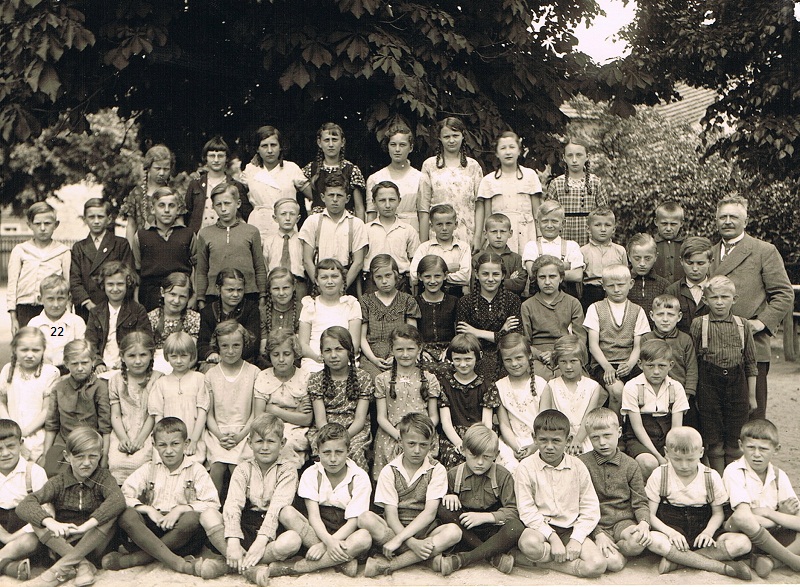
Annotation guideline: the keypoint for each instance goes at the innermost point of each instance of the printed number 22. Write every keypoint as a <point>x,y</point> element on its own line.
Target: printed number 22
<point>56,331</point>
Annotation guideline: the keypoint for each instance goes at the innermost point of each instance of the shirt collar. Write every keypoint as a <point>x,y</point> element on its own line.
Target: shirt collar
<point>734,241</point>
<point>614,459</point>
<point>541,465</point>
<point>544,302</point>
<point>671,334</point>
<point>377,222</point>
<point>291,233</point>
<point>76,386</point>
<point>506,250</point>
<point>18,469</point>
<point>701,285</point>
<point>70,480</point>
<point>594,243</point>
<point>456,383</point>
<point>742,464</point>
<point>453,244</point>
<point>348,476</point>
<point>185,464</point>
<point>660,239</point>
<point>345,215</point>
<point>397,463</point>
<point>219,224</point>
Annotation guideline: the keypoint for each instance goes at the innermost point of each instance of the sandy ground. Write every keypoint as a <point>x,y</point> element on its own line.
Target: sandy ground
<point>783,409</point>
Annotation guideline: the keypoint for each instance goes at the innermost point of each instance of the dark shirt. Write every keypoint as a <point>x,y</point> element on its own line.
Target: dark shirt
<point>668,263</point>
<point>645,289</point>
<point>73,405</point>
<point>725,345</point>
<point>512,262</point>
<point>476,493</point>
<point>684,371</point>
<point>438,321</point>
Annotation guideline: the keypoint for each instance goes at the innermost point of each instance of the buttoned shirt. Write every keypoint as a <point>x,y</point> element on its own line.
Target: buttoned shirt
<point>457,255</point>
<point>351,494</point>
<point>683,494</point>
<point>745,486</point>
<point>73,404</point>
<point>656,403</point>
<point>334,236</point>
<point>12,486</point>
<point>477,494</point>
<point>273,251</point>
<point>725,344</point>
<point>573,257</point>
<point>598,256</point>
<point>399,240</point>
<point>169,487</point>
<point>386,492</point>
<point>58,333</point>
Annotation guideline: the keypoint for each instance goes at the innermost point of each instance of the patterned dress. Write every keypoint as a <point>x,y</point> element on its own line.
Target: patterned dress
<point>162,328</point>
<point>232,398</point>
<point>381,320</point>
<point>466,403</point>
<point>317,173</point>
<point>457,186</point>
<point>573,405</point>
<point>511,195</point>
<point>288,395</point>
<point>577,204</point>
<point>522,407</point>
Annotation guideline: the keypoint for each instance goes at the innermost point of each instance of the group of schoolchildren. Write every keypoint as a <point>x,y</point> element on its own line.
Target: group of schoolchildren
<point>128,423</point>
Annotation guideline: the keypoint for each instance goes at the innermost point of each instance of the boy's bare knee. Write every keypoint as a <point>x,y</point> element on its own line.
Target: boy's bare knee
<point>288,543</point>
<point>659,544</point>
<point>594,563</point>
<point>288,514</point>
<point>368,521</point>
<point>743,521</point>
<point>629,547</point>
<point>359,542</point>
<point>615,562</point>
<point>451,534</point>
<point>531,543</point>
<point>736,544</point>
<point>210,518</point>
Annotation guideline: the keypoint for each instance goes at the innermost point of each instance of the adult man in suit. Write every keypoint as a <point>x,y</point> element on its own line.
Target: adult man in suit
<point>764,292</point>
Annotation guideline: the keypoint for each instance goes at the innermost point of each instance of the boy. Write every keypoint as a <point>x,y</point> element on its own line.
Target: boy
<point>685,499</point>
<point>624,527</point>
<point>481,502</point>
<point>335,233</point>
<point>696,256</point>
<point>336,491</point>
<point>551,223</point>
<point>456,253</point>
<point>653,403</point>
<point>388,234</point>
<point>230,242</point>
<point>58,326</point>
<point>599,253</point>
<point>726,361</point>
<point>246,533</point>
<point>32,261</point>
<point>165,500</point>
<point>669,221</point>
<point>18,478</point>
<point>557,503</point>
<point>549,314</point>
<point>410,489</point>
<point>647,285</point>
<point>89,254</point>
<point>765,507</point>
<point>285,249</point>
<point>496,231</point>
<point>615,327</point>
<point>163,248</point>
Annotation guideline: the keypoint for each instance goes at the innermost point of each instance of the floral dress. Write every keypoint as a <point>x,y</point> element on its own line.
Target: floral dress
<point>511,194</point>
<point>288,395</point>
<point>457,186</point>
<point>139,206</point>
<point>466,403</point>
<point>317,174</point>
<point>341,409</point>
<point>522,406</point>
<point>381,320</point>
<point>162,328</point>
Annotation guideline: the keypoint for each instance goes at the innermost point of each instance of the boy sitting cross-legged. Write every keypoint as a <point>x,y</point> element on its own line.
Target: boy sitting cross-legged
<point>409,489</point>
<point>481,501</point>
<point>765,507</point>
<point>165,500</point>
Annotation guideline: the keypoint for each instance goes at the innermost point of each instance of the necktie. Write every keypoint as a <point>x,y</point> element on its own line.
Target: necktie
<point>728,247</point>
<point>285,259</point>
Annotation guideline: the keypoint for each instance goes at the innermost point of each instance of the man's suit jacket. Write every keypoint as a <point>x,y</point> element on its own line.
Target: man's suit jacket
<point>86,263</point>
<point>762,285</point>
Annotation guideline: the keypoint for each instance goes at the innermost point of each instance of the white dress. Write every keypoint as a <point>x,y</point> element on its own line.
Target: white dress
<point>288,395</point>
<point>573,405</point>
<point>511,196</point>
<point>233,403</point>
<point>522,408</point>
<point>267,187</point>
<point>457,186</point>
<point>409,188</point>
<point>322,316</point>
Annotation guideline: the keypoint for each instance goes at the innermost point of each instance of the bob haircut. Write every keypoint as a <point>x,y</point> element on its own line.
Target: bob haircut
<point>110,268</point>
<point>178,343</point>
<point>546,260</point>
<point>464,344</point>
<point>278,337</point>
<point>228,327</point>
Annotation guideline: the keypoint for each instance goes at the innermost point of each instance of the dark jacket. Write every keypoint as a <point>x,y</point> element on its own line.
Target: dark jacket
<point>132,317</point>
<point>86,263</point>
<point>195,201</point>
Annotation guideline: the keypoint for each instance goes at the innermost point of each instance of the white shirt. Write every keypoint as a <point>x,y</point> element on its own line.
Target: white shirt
<point>273,250</point>
<point>386,492</point>
<point>315,485</point>
<point>333,236</point>
<point>399,240</point>
<point>692,494</point>
<point>58,333</point>
<point>655,403</point>
<point>728,244</point>
<point>745,486</point>
<point>696,289</point>
<point>111,350</point>
<point>592,320</point>
<point>12,486</point>
<point>457,255</point>
<point>573,254</point>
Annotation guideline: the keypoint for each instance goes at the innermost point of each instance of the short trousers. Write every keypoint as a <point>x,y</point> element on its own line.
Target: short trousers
<point>10,521</point>
<point>616,529</point>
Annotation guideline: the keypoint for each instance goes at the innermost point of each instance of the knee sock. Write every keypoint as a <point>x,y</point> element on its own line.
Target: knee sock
<point>718,552</point>
<point>468,537</point>
<point>767,542</point>
<point>403,560</point>
<point>388,534</point>
<point>306,532</point>
<point>153,547</point>
<point>274,554</point>
<point>216,536</point>
<point>72,555</point>
<point>502,542</point>
<point>695,560</point>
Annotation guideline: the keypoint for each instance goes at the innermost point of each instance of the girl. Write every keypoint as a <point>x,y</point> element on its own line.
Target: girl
<point>77,399</point>
<point>450,176</point>
<point>437,322</point>
<point>128,392</point>
<point>84,502</point>
<point>399,143</point>
<point>330,308</point>
<point>341,392</point>
<point>465,398</point>
<point>183,393</point>
<point>174,315</point>
<point>109,323</point>
<point>519,394</point>
<point>230,385</point>
<point>330,159</point>
<point>25,385</point>
<point>406,388</point>
<point>512,190</point>
<point>282,311</point>
<point>269,178</point>
<point>231,305</point>
<point>578,191</point>
<point>138,205</point>
<point>573,394</point>
<point>489,313</point>
<point>281,391</point>
<point>383,310</point>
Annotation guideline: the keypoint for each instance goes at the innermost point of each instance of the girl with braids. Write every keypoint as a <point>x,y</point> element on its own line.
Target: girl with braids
<point>512,190</point>
<point>341,392</point>
<point>128,392</point>
<point>578,191</point>
<point>330,160</point>
<point>450,176</point>
<point>406,388</point>
<point>24,387</point>
<point>489,312</point>
<point>173,315</point>
<point>282,312</point>
<point>573,394</point>
<point>519,395</point>
<point>138,205</point>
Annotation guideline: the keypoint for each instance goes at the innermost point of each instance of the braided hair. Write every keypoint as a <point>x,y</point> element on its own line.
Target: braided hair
<point>482,259</point>
<point>319,161</point>
<point>457,125</point>
<point>408,332</point>
<point>137,337</point>
<point>513,340</point>
<point>22,333</point>
<point>281,273</point>
<point>174,279</point>
<point>342,336</point>
<point>509,134</point>
<point>586,166</point>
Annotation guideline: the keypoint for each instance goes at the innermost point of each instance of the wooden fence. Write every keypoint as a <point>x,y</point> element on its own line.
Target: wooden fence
<point>9,242</point>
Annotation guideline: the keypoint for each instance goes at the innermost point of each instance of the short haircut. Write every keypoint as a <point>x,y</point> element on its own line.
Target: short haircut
<point>385,185</point>
<point>180,342</point>
<point>758,429</point>
<point>417,422</point>
<point>737,200</point>
<point>399,128</point>
<point>670,208</point>
<point>335,180</point>
<point>551,208</point>
<point>463,344</point>
<point>443,210</point>
<point>479,439</point>
<point>283,202</point>
<point>170,424</point>
<point>277,337</point>
<point>267,424</point>
<point>719,284</point>
<point>75,348</point>
<point>165,192</point>
<point>544,261</point>
<point>600,419</point>
<point>39,208</point>
<point>551,421</point>
<point>83,439</point>
<point>497,218</point>
<point>643,240</point>
<point>683,440</point>
<point>616,272</point>
<point>216,143</point>
<point>569,345</point>
<point>97,203</point>
<point>223,188</point>
<point>694,245</point>
<point>666,301</point>
<point>655,349</point>
<point>10,429</point>
<point>333,431</point>
<point>110,268</point>
<point>602,212</point>
<point>56,282</point>
<point>228,327</point>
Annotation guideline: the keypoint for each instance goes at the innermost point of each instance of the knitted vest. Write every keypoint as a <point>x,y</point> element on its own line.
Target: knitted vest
<point>160,257</point>
<point>411,498</point>
<point>616,341</point>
